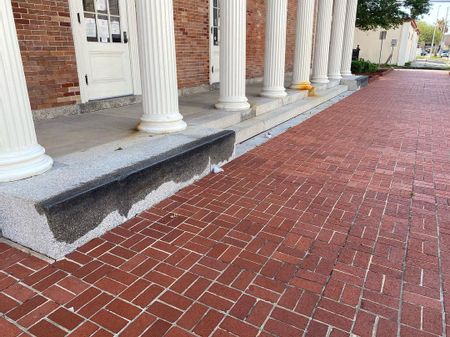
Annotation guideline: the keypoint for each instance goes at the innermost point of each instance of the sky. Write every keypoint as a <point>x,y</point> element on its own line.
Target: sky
<point>431,17</point>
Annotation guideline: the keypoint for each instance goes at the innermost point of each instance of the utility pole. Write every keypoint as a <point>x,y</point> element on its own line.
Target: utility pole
<point>434,32</point>
<point>444,30</point>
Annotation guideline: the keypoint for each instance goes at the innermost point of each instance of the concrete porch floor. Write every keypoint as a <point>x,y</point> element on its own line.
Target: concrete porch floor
<point>68,134</point>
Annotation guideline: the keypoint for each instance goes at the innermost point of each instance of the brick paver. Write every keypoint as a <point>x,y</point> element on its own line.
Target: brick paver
<point>340,225</point>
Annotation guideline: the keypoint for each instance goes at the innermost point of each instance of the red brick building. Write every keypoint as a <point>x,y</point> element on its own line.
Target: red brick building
<point>47,32</point>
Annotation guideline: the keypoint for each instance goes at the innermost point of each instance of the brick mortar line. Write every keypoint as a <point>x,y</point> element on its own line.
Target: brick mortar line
<point>441,274</point>
<point>321,295</point>
<point>408,234</point>
<point>358,306</point>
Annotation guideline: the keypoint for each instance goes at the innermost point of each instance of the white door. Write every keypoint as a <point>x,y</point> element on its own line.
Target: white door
<point>214,54</point>
<point>108,66</point>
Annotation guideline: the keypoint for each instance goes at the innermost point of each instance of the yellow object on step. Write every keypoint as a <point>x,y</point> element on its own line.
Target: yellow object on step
<point>305,86</point>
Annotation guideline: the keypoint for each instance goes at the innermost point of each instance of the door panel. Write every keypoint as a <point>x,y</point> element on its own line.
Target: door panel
<point>109,66</point>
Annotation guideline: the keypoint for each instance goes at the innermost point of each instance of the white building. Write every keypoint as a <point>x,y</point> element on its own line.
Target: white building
<point>398,47</point>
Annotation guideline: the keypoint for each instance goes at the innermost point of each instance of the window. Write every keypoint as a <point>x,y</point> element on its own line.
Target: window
<point>102,19</point>
<point>216,22</point>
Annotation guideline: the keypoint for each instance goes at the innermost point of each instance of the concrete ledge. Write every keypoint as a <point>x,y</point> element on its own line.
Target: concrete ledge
<point>262,105</point>
<point>355,83</point>
<point>81,108</point>
<point>262,123</point>
<point>81,198</point>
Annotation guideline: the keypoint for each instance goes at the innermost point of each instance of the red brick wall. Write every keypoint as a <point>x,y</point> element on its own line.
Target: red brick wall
<point>192,42</point>
<point>290,41</point>
<point>256,15</point>
<point>45,37</point>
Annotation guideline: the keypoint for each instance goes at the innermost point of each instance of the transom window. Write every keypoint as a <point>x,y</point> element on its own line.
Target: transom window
<point>102,18</point>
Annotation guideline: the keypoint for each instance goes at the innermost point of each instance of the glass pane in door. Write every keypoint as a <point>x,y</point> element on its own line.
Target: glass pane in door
<point>102,18</point>
<point>114,7</point>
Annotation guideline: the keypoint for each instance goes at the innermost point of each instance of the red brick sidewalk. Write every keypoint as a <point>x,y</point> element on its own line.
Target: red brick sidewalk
<point>341,225</point>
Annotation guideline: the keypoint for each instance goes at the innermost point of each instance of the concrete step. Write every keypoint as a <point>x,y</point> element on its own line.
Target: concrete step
<point>250,128</point>
<point>87,194</point>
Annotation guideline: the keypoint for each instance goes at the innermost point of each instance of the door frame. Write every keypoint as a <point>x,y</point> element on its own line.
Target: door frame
<point>81,53</point>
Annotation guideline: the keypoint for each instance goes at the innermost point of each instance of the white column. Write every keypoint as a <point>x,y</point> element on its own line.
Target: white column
<point>275,51</point>
<point>403,44</point>
<point>20,154</point>
<point>349,34</point>
<point>337,39</point>
<point>303,45</point>
<point>158,67</point>
<point>232,55</point>
<point>322,46</point>
<point>413,52</point>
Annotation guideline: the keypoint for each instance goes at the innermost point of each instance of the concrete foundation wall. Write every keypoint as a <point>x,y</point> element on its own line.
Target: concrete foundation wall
<point>87,194</point>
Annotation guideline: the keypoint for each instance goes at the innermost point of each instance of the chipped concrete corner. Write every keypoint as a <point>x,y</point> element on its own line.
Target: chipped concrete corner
<point>58,225</point>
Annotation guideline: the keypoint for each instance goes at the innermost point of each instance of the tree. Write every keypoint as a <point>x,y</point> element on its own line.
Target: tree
<point>386,14</point>
<point>426,33</point>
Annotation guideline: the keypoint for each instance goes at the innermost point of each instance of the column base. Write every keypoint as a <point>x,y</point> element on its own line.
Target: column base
<point>347,74</point>
<point>24,164</point>
<point>162,124</point>
<point>273,93</point>
<point>233,105</point>
<point>320,80</point>
<point>337,77</point>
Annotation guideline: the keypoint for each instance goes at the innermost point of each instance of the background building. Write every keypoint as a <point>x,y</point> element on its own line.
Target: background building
<point>399,45</point>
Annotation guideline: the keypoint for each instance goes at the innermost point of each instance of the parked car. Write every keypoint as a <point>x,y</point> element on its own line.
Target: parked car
<point>444,53</point>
